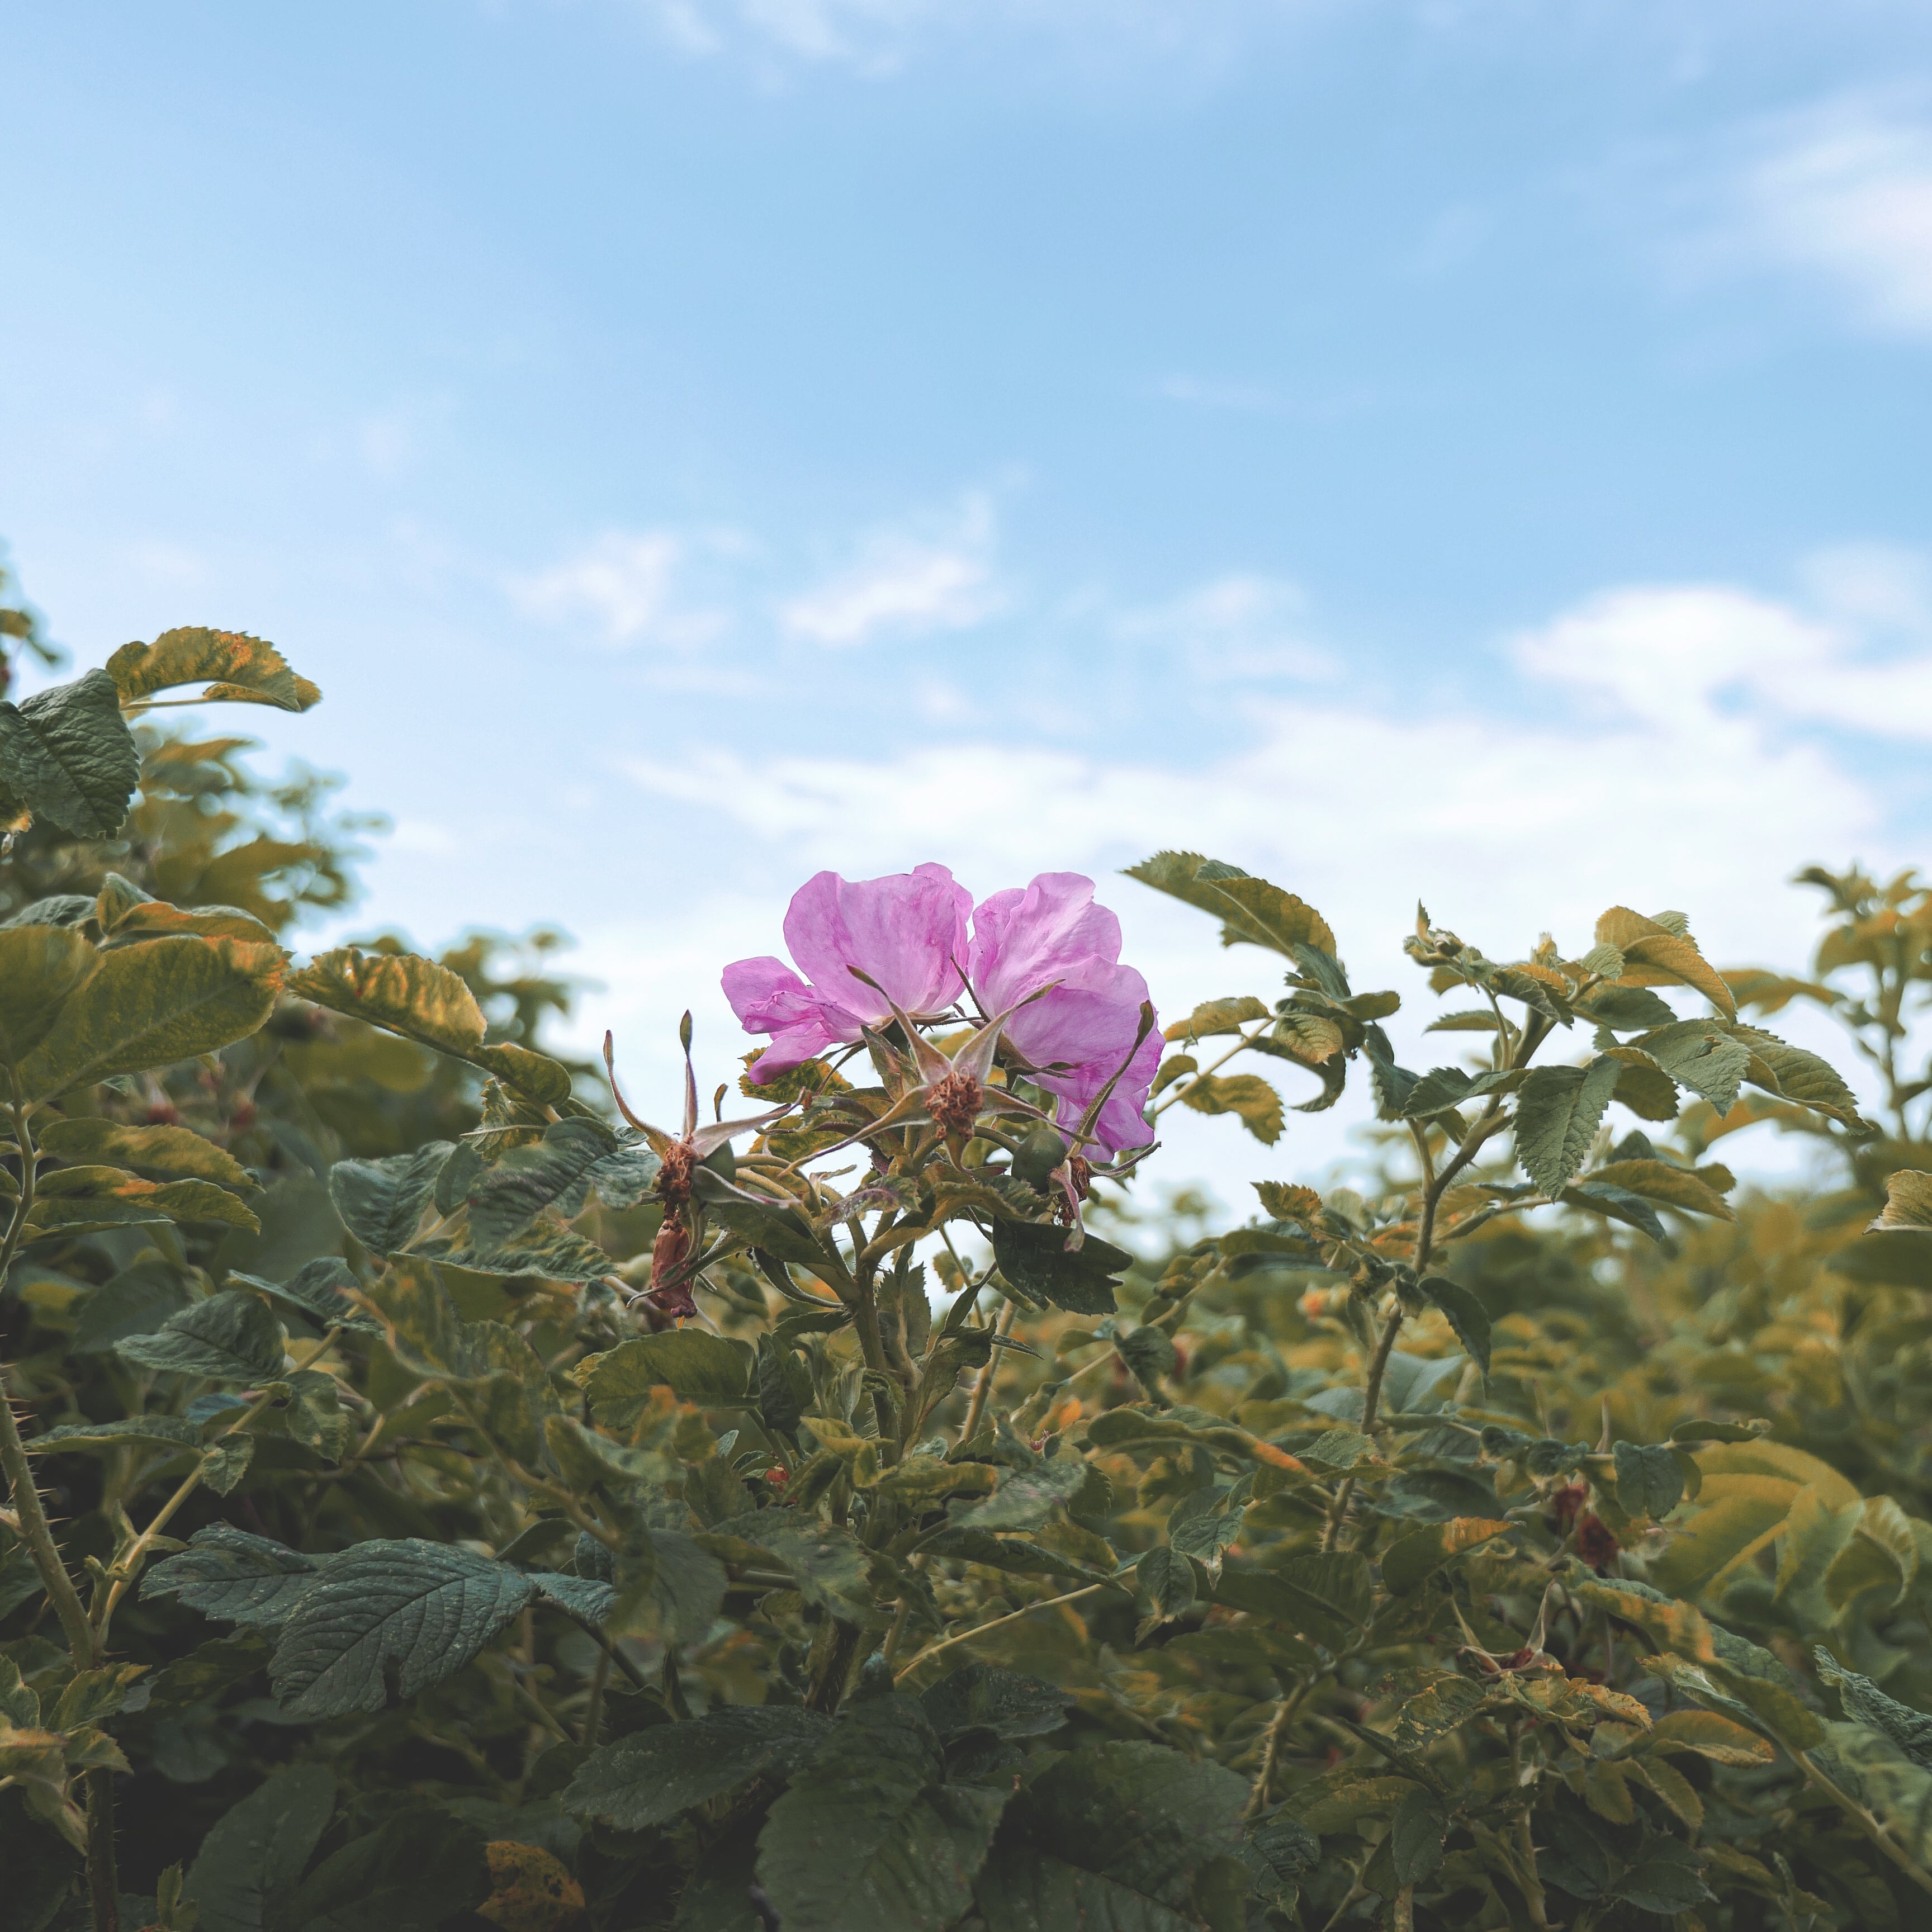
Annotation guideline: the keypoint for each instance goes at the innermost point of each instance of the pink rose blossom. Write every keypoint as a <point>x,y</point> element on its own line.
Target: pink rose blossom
<point>906,931</point>
<point>1051,934</point>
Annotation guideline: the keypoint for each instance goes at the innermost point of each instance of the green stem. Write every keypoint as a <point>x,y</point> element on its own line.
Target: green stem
<point>104,1878</point>
<point>980,1630</point>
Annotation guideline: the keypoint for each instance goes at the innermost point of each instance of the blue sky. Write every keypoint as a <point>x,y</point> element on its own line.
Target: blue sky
<point>1476,450</point>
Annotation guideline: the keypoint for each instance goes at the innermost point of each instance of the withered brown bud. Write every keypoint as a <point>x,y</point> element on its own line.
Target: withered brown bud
<point>954,1102</point>
<point>673,1184</point>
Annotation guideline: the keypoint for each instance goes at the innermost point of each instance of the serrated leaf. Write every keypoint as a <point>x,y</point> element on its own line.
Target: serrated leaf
<point>1409,1561</point>
<point>575,1159</point>
<point>1655,955</point>
<point>1650,1480</point>
<point>228,1573</point>
<point>41,967</point>
<point>170,1150</point>
<point>67,756</point>
<point>1219,1016</point>
<point>655,1775</point>
<point>697,1367</point>
<point>1557,1111</point>
<point>668,1587</point>
<point>381,1201</point>
<point>428,1608</point>
<point>253,1858</point>
<point>1865,1763</point>
<point>827,1563</point>
<point>983,1697</point>
<point>1718,1738</point>
<point>1865,1703</point>
<point>1698,1054</point>
<point>1797,1074</point>
<point>317,1288</point>
<point>1463,1308</point>
<point>1416,1834</point>
<point>1112,1837</point>
<point>149,1006</point>
<point>1257,1103</point>
<point>1658,1181</point>
<point>166,1432</point>
<point>907,1843</point>
<point>234,666</point>
<point>1251,910</point>
<point>232,1336</point>
<point>205,1672</point>
<point>1034,1260</point>
<point>420,1868</point>
<point>1908,1201</point>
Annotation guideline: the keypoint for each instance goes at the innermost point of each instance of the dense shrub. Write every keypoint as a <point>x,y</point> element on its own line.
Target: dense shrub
<point>439,1499</point>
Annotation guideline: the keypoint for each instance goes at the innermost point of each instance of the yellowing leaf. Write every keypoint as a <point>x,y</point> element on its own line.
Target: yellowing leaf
<point>40,968</point>
<point>1246,1094</point>
<point>1217,1016</point>
<point>1908,1200</point>
<point>1658,1181</point>
<point>1655,955</point>
<point>172,1150</point>
<point>149,1006</point>
<point>1250,909</point>
<point>531,1891</point>
<point>398,991</point>
<point>238,667</point>
<point>1710,1735</point>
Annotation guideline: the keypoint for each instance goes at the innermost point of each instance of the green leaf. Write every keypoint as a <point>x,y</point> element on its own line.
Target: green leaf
<point>1866,1763</point>
<point>1796,1074</point>
<point>416,1870</point>
<point>428,1607</point>
<point>172,1432</point>
<point>1112,1838</point>
<point>1167,1580</point>
<point>1865,1703</point>
<point>1557,1111</point>
<point>1219,1016</point>
<point>252,1858</point>
<point>983,1697</point>
<point>226,1573</point>
<point>41,967</point>
<point>1248,1095</point>
<point>232,1336</point>
<point>1698,1055</point>
<point>1468,1319</point>
<point>1251,910</point>
<point>1327,1595</point>
<point>149,1006</point>
<point>1658,1181</point>
<point>697,1367</point>
<point>655,1775</point>
<point>1665,1876</point>
<point>669,1587</point>
<point>69,756</point>
<point>1034,1260</point>
<point>826,1562</point>
<point>1016,1555</point>
<point>1650,1480</point>
<point>872,1839</point>
<point>1442,1088</point>
<point>381,1201</point>
<point>1409,1561</point>
<point>169,1150</point>
<point>316,1288</point>
<point>1415,1837</point>
<point>575,1159</point>
<point>135,1302</point>
<point>1026,1497</point>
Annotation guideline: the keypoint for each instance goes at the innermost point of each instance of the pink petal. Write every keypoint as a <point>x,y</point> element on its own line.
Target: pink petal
<point>906,931</point>
<point>1092,1014</point>
<point>1023,939</point>
<point>1121,1124</point>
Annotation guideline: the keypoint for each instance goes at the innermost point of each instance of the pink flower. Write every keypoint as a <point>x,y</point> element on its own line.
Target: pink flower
<point>1076,1037</point>
<point>907,931</point>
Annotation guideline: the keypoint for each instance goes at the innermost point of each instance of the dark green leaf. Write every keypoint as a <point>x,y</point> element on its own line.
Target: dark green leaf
<point>252,1858</point>
<point>68,755</point>
<point>872,1839</point>
<point>1865,1703</point>
<point>983,1697</point>
<point>1416,1836</point>
<point>1466,1315</point>
<point>695,1366</point>
<point>231,1336</point>
<point>173,1431</point>
<point>1557,1111</point>
<point>575,1158</point>
<point>1034,1260</point>
<point>381,1201</point>
<point>668,1587</point>
<point>1650,1480</point>
<point>652,1776</point>
<point>428,1607</point>
<point>416,1870</point>
<point>40,968</point>
<point>226,1573</point>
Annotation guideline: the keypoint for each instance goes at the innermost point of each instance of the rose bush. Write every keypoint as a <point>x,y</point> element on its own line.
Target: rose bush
<point>438,1497</point>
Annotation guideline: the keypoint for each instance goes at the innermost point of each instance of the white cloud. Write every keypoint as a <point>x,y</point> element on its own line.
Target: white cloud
<point>1842,192</point>
<point>1677,656</point>
<point>1238,628</point>
<point>627,583</point>
<point>903,584</point>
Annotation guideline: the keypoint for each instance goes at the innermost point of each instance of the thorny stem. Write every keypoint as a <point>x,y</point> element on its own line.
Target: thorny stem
<point>35,1532</point>
<point>1277,1733</point>
<point>593,1708</point>
<point>1864,1821</point>
<point>932,1650</point>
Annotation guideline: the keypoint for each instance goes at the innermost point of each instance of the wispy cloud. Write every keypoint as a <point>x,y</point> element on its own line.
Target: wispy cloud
<point>1239,628</point>
<point>628,586</point>
<point>903,583</point>
<point>1840,194</point>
